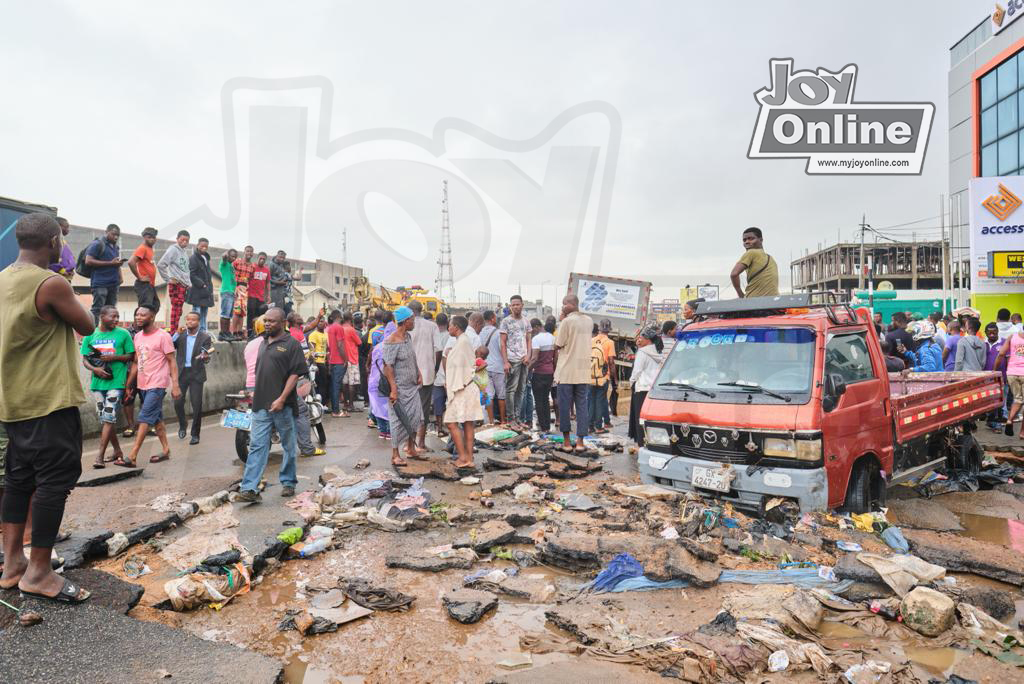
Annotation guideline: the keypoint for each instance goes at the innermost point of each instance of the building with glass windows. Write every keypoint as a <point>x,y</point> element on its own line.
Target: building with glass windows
<point>986,119</point>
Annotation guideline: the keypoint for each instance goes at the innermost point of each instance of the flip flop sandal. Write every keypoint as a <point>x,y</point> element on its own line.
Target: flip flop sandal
<point>399,463</point>
<point>128,433</point>
<point>124,464</point>
<point>157,458</point>
<point>69,593</point>
<point>98,465</point>
<point>466,470</point>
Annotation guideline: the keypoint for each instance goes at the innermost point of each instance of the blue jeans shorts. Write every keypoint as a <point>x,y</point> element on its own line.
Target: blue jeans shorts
<point>227,303</point>
<point>108,404</point>
<point>152,411</point>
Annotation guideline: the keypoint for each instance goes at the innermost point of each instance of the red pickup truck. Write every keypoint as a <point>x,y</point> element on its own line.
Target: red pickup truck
<point>787,397</point>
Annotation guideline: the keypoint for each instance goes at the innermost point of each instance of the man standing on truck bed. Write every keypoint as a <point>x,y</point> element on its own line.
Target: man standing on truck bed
<point>762,271</point>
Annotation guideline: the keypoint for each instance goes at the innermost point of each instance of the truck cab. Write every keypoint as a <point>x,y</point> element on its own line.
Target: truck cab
<point>779,397</point>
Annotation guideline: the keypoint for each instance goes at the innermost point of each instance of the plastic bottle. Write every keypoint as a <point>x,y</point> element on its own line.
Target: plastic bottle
<point>318,531</point>
<point>314,547</point>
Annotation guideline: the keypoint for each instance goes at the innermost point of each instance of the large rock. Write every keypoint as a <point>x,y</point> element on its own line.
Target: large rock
<point>927,611</point>
<point>468,605</point>
<point>963,554</point>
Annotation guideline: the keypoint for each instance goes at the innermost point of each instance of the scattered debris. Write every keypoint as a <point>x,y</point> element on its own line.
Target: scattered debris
<point>469,605</point>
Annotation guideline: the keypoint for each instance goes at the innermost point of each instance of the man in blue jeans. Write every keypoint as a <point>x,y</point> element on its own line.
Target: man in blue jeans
<point>274,405</point>
<point>103,257</point>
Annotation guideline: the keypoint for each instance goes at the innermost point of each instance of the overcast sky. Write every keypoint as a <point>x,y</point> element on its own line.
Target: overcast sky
<point>112,111</point>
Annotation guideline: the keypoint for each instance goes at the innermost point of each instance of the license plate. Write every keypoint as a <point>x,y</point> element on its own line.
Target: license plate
<point>711,478</point>
<point>239,420</point>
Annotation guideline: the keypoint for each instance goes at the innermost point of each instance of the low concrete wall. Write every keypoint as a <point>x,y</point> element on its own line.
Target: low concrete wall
<point>225,373</point>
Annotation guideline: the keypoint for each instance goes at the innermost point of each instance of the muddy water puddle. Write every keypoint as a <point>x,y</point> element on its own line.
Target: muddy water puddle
<point>937,661</point>
<point>1002,531</point>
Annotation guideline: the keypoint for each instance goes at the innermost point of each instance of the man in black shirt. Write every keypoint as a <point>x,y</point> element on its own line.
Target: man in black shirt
<point>274,405</point>
<point>898,334</point>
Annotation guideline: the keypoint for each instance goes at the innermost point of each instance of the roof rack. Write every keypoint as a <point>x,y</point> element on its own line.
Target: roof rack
<point>766,306</point>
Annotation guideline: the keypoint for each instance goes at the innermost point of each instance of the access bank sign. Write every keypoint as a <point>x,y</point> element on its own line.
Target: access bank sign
<point>811,115</point>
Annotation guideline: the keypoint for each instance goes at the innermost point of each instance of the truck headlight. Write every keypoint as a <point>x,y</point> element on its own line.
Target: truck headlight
<point>800,449</point>
<point>657,436</point>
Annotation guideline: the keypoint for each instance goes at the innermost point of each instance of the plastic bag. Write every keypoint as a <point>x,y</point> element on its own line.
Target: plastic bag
<point>198,588</point>
<point>894,538</point>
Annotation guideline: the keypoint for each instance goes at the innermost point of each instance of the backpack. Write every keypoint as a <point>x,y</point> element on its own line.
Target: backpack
<point>80,266</point>
<point>598,364</point>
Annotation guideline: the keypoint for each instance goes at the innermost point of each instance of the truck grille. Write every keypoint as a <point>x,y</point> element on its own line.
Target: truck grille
<point>724,446</point>
<point>719,455</point>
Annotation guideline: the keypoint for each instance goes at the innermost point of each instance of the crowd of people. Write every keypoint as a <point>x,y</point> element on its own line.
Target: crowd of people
<point>959,342</point>
<point>249,283</point>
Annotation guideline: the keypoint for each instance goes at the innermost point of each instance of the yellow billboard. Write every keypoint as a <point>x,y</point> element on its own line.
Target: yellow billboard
<point>1006,265</point>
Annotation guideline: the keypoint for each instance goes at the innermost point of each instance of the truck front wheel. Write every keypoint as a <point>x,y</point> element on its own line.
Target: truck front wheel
<point>861,489</point>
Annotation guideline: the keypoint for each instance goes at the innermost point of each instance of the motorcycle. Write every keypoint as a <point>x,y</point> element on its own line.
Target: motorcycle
<point>239,416</point>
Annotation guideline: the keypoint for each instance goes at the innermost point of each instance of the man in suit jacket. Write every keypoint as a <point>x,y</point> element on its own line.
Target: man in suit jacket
<point>200,293</point>
<point>192,350</point>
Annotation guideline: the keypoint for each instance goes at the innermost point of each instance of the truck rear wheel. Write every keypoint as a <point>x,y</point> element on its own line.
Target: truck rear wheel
<point>862,489</point>
<point>966,455</point>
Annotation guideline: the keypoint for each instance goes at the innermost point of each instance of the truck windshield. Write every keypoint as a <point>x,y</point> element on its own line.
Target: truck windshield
<point>723,360</point>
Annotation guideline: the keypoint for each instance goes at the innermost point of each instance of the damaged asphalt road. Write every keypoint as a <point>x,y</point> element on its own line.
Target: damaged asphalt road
<point>544,563</point>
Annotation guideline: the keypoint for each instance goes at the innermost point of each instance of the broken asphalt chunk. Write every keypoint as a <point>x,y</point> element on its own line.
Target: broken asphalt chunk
<point>468,605</point>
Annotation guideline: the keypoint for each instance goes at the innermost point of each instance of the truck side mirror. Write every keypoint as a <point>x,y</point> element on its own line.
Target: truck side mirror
<point>835,387</point>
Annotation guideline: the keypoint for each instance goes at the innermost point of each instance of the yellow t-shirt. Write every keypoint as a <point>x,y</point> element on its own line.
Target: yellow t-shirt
<point>318,343</point>
<point>762,273</point>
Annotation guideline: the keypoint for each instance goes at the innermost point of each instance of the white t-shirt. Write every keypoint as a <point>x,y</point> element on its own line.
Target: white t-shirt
<point>441,340</point>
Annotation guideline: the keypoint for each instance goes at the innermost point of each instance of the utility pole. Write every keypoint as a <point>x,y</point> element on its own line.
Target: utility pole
<point>344,245</point>
<point>444,284</point>
<point>863,228</point>
<point>942,252</point>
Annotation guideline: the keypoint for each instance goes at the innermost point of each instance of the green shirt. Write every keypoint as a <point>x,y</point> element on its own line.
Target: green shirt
<point>227,276</point>
<point>762,274</point>
<point>118,341</point>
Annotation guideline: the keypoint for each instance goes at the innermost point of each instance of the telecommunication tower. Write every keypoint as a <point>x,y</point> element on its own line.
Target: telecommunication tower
<point>444,284</point>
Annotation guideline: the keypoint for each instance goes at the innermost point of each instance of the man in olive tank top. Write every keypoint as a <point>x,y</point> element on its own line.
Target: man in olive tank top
<point>40,392</point>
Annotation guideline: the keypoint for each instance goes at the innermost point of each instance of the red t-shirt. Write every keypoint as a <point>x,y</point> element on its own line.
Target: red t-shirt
<point>335,332</point>
<point>145,265</point>
<point>297,334</point>
<point>352,343</point>
<point>258,282</point>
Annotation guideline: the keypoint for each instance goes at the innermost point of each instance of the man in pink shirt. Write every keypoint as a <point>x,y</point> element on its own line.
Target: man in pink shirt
<point>251,353</point>
<point>153,371</point>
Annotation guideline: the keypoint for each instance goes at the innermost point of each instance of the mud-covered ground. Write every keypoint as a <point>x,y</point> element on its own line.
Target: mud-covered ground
<point>584,636</point>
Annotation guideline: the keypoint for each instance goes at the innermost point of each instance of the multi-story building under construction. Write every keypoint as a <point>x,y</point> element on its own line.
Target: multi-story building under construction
<point>907,265</point>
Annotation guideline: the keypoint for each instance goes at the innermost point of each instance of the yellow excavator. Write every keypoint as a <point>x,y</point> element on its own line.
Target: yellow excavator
<point>370,297</point>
